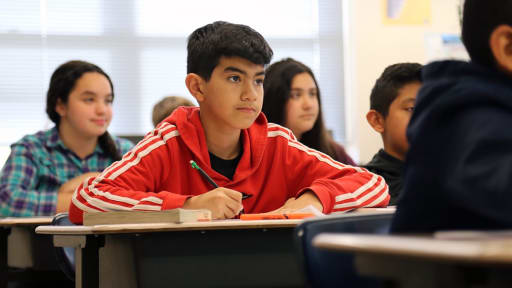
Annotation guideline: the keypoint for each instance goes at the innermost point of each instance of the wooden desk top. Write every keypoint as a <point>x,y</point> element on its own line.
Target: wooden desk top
<point>488,250</point>
<point>212,225</point>
<point>28,221</point>
<point>162,227</point>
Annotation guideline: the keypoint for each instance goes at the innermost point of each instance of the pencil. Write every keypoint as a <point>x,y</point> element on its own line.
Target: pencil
<point>195,166</point>
<point>210,180</point>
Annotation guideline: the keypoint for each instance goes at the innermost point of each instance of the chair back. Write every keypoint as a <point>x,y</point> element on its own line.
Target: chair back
<point>325,269</point>
<point>65,255</point>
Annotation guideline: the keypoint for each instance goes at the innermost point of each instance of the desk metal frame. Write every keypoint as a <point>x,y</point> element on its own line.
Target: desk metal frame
<point>43,270</point>
<point>204,256</point>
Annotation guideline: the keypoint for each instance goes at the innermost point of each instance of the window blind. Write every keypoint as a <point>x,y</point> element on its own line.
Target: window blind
<point>141,44</point>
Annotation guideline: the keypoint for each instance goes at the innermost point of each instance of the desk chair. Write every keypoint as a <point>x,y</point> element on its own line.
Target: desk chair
<point>324,269</point>
<point>65,255</point>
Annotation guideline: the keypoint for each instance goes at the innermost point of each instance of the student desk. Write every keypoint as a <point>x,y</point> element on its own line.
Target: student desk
<point>25,255</point>
<point>426,261</point>
<point>224,253</point>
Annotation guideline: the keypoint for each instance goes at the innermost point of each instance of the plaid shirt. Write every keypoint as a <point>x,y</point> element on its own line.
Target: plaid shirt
<point>36,168</point>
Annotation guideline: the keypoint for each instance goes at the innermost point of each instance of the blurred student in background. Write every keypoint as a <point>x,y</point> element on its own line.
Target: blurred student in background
<point>43,169</point>
<point>391,105</point>
<point>166,106</point>
<point>292,99</point>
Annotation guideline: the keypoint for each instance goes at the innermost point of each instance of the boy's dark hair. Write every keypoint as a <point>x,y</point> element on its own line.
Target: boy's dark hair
<point>394,78</point>
<point>62,82</point>
<point>207,44</point>
<point>480,18</point>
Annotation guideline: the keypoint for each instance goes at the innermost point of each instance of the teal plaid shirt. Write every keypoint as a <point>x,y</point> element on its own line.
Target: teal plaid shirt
<point>36,168</point>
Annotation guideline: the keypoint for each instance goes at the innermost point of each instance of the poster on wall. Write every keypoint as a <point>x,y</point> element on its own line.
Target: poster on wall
<point>442,46</point>
<point>406,12</point>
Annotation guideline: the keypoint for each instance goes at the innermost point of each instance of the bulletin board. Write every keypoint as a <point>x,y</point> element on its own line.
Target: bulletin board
<point>406,12</point>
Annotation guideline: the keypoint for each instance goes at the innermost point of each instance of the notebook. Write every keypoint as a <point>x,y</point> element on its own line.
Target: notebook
<point>178,215</point>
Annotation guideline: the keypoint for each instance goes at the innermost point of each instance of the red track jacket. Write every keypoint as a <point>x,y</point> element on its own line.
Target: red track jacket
<point>156,174</point>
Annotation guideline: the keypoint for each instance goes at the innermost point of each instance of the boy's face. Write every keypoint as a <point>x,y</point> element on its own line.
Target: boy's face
<point>395,124</point>
<point>233,96</point>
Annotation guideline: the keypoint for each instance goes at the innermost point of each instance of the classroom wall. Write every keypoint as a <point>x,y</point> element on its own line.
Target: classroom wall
<point>371,47</point>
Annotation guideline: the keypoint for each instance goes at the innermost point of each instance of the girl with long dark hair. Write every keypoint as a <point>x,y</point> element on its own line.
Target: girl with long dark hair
<point>43,169</point>
<point>292,99</point>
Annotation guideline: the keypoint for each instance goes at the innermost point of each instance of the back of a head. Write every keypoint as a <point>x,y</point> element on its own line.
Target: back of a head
<point>208,44</point>
<point>388,85</point>
<point>166,106</point>
<point>277,87</point>
<point>480,18</point>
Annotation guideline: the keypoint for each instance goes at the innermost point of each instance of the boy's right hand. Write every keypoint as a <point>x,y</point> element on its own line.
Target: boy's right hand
<point>224,203</point>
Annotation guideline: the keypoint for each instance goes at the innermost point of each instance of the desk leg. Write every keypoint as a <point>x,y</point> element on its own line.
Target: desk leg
<point>4,269</point>
<point>87,262</point>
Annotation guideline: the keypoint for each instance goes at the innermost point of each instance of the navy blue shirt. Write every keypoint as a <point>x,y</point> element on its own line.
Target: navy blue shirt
<point>391,169</point>
<point>458,171</point>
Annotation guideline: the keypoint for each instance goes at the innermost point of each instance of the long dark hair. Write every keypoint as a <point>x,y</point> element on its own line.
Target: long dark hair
<point>277,87</point>
<point>62,83</point>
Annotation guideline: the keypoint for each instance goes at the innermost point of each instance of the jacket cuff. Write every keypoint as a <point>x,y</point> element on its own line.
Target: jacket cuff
<point>172,201</point>
<point>323,195</point>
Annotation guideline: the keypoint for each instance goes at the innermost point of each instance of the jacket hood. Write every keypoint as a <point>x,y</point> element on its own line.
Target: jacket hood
<point>192,133</point>
<point>463,83</point>
<point>450,87</point>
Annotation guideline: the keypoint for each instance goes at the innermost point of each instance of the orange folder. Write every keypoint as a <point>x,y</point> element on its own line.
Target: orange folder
<point>263,216</point>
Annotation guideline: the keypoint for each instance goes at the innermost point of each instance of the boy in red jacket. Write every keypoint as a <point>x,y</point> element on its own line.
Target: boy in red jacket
<point>230,139</point>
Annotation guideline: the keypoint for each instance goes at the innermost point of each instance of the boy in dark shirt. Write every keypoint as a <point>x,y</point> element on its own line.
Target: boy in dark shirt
<point>459,168</point>
<point>391,105</point>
